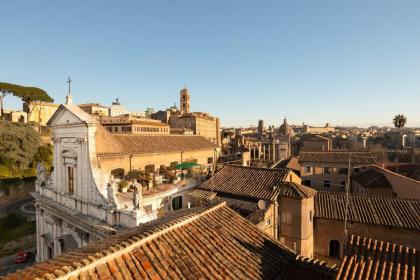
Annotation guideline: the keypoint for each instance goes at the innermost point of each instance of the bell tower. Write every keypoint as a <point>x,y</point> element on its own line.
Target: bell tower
<point>184,100</point>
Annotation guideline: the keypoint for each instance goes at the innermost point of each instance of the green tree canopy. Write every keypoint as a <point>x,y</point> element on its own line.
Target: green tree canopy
<point>19,144</point>
<point>26,94</point>
<point>399,121</point>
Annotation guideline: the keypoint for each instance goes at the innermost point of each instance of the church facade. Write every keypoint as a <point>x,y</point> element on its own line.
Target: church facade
<point>81,199</point>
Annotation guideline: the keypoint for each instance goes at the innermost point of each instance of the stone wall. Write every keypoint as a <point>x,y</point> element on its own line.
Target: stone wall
<point>327,230</point>
<point>12,246</point>
<point>15,189</point>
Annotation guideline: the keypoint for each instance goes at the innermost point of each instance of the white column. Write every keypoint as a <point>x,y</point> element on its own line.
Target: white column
<point>38,236</point>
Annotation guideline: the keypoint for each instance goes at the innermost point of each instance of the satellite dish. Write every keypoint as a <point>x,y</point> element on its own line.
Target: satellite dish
<point>261,205</point>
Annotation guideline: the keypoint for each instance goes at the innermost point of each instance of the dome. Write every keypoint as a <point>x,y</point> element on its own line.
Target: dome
<point>285,128</point>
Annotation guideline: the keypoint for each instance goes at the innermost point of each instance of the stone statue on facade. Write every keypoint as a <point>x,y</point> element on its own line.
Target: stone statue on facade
<point>111,195</point>
<point>41,172</point>
<point>136,198</point>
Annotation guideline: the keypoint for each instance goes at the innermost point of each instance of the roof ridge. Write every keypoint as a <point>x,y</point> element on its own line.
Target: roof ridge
<point>367,196</point>
<point>335,151</point>
<point>259,168</point>
<point>301,189</point>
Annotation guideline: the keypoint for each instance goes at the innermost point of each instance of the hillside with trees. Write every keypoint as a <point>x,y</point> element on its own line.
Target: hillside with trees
<point>20,149</point>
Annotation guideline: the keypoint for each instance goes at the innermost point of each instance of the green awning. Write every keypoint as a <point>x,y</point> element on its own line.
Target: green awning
<point>186,165</point>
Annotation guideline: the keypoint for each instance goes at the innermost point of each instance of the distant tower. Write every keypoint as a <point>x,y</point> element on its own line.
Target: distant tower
<point>260,127</point>
<point>184,100</point>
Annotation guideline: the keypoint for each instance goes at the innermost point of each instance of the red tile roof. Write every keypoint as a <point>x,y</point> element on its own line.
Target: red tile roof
<point>364,158</point>
<point>294,190</point>
<point>201,243</point>
<point>254,183</point>
<point>372,259</point>
<point>377,210</point>
<point>291,163</point>
<point>372,179</point>
<point>108,144</point>
<point>318,138</point>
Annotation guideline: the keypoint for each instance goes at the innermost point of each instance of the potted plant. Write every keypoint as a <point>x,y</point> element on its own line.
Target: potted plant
<point>123,186</point>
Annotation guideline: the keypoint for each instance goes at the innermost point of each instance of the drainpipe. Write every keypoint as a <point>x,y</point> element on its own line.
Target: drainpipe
<point>276,220</point>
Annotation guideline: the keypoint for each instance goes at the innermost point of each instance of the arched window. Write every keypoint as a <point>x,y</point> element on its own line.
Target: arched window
<point>118,173</point>
<point>177,203</point>
<point>334,249</point>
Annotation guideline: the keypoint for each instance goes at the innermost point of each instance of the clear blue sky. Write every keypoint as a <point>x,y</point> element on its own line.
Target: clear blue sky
<point>346,62</point>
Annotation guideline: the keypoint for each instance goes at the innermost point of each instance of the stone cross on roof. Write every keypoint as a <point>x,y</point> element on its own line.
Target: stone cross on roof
<point>69,98</point>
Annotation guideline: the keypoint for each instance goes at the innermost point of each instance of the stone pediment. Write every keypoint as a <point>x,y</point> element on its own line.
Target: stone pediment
<point>70,114</point>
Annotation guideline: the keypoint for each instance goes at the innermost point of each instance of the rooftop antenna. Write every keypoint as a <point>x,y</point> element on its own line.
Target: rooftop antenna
<point>346,209</point>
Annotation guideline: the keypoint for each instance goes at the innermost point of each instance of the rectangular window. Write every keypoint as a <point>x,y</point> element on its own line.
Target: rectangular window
<point>286,218</point>
<point>310,216</point>
<point>343,184</point>
<point>356,170</point>
<point>148,209</point>
<point>306,183</point>
<point>70,175</point>
<point>327,170</point>
<point>327,184</point>
<point>308,169</point>
<point>343,171</point>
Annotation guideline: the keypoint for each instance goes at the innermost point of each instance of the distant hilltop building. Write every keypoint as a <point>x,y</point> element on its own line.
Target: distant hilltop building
<point>314,129</point>
<point>199,123</point>
<point>40,112</point>
<point>94,109</point>
<point>129,124</point>
<point>15,116</point>
<point>116,109</point>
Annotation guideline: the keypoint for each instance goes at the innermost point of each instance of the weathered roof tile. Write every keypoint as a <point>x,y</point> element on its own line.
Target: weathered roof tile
<point>372,259</point>
<point>203,243</point>
<point>363,158</point>
<point>379,210</point>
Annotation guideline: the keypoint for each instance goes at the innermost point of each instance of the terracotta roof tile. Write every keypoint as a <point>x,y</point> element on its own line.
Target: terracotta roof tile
<point>379,210</point>
<point>318,138</point>
<point>248,182</point>
<point>290,163</point>
<point>372,259</point>
<point>108,144</point>
<point>201,243</point>
<point>253,183</point>
<point>372,179</point>
<point>364,158</point>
